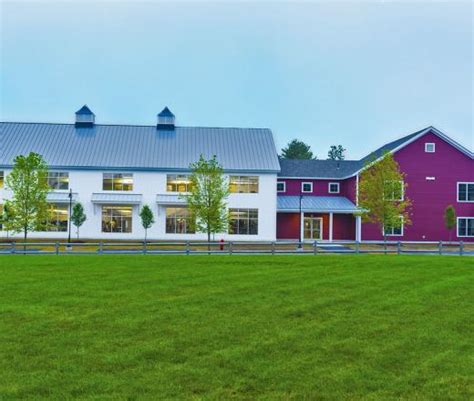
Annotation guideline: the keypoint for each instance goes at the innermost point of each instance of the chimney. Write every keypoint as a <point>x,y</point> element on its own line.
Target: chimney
<point>165,120</point>
<point>85,117</point>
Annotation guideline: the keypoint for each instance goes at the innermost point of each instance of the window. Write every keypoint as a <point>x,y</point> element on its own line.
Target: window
<point>306,187</point>
<point>2,178</point>
<point>57,218</point>
<point>465,226</point>
<point>178,183</point>
<point>58,180</point>
<point>117,182</point>
<point>394,190</point>
<point>178,221</point>
<point>396,229</point>
<point>243,184</point>
<point>116,219</point>
<point>243,221</point>
<point>281,186</point>
<point>333,188</point>
<point>430,147</point>
<point>465,191</point>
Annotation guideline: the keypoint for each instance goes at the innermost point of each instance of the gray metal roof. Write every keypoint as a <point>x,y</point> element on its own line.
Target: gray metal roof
<point>110,198</point>
<point>60,197</point>
<point>130,147</point>
<point>316,204</point>
<point>319,168</point>
<point>170,200</point>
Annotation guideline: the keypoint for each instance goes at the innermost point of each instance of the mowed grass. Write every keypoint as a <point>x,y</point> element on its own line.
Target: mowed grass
<point>145,327</point>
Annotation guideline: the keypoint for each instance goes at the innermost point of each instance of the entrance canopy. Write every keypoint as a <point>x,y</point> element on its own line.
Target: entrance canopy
<point>116,198</point>
<point>316,204</point>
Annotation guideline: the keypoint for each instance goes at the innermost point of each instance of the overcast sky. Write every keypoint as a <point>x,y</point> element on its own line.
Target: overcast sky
<point>355,73</point>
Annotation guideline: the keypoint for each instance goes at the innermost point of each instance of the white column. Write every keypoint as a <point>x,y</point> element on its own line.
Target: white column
<point>302,226</point>
<point>330,227</point>
<point>358,228</point>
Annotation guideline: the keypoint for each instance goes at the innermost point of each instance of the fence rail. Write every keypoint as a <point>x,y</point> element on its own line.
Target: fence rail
<point>230,247</point>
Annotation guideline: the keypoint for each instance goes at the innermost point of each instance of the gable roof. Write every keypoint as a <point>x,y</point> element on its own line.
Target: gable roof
<point>84,110</point>
<point>165,113</point>
<point>132,147</point>
<point>332,169</point>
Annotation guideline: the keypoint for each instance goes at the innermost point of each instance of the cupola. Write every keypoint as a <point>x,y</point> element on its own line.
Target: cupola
<point>85,117</point>
<point>165,120</point>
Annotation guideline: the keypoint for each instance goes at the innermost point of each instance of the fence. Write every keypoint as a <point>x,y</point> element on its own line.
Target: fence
<point>230,248</point>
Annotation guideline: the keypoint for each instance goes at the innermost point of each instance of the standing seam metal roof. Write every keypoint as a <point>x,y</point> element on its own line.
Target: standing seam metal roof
<point>139,147</point>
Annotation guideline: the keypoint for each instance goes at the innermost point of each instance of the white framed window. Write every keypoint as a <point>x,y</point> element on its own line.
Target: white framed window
<point>243,184</point>
<point>179,221</point>
<point>306,187</point>
<point>178,183</point>
<point>465,192</point>
<point>465,226</point>
<point>430,147</point>
<point>243,221</point>
<point>395,230</point>
<point>117,182</point>
<point>334,188</point>
<point>394,190</point>
<point>58,180</point>
<point>117,219</point>
<point>281,186</point>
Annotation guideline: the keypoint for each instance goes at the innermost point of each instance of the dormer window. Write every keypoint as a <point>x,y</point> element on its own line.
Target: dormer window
<point>166,120</point>
<point>430,147</point>
<point>85,117</point>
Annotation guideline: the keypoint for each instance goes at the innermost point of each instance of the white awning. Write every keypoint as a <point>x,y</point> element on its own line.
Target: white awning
<point>119,198</point>
<point>60,197</point>
<point>170,200</point>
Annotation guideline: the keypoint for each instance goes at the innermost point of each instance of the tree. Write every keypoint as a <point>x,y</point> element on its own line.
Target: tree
<point>450,219</point>
<point>28,182</point>
<point>382,196</point>
<point>297,150</point>
<point>147,218</point>
<point>78,217</point>
<point>6,218</point>
<point>206,201</point>
<point>336,153</point>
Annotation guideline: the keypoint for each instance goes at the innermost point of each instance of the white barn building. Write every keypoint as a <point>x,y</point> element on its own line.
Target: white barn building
<point>113,170</point>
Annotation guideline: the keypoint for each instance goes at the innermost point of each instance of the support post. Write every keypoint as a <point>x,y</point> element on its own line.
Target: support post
<point>358,228</point>
<point>273,247</point>
<point>230,248</point>
<point>56,248</point>
<point>461,248</point>
<point>301,239</point>
<point>315,247</point>
<point>357,246</point>
<point>13,247</point>
<point>187,247</point>
<point>101,246</point>
<point>330,226</point>
<point>399,245</point>
<point>440,247</point>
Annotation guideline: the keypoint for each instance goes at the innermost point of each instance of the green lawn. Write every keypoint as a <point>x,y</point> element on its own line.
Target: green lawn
<point>236,328</point>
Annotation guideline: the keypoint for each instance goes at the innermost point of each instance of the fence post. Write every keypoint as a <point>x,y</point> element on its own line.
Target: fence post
<point>357,247</point>
<point>230,247</point>
<point>398,247</point>
<point>187,247</point>
<point>144,247</point>
<point>315,247</point>
<point>100,247</point>
<point>56,248</point>
<point>461,248</point>
<point>13,247</point>
<point>440,247</point>
<point>273,247</point>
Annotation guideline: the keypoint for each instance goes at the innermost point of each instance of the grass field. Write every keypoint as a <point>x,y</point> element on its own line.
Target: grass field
<point>236,328</point>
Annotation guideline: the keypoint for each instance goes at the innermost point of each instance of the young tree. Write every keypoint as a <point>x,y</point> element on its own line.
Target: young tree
<point>450,219</point>
<point>28,182</point>
<point>382,194</point>
<point>336,153</point>
<point>297,150</point>
<point>6,218</point>
<point>78,217</point>
<point>147,218</point>
<point>206,201</point>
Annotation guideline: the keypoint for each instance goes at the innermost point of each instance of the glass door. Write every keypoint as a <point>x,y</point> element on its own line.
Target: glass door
<point>313,228</point>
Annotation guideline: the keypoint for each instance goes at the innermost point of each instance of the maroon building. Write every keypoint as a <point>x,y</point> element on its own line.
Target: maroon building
<point>317,199</point>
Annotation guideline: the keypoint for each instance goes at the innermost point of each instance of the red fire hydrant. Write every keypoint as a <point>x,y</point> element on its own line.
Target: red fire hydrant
<point>221,245</point>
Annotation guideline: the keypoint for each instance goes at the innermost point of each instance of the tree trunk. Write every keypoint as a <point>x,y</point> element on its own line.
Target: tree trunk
<point>208,242</point>
<point>25,235</point>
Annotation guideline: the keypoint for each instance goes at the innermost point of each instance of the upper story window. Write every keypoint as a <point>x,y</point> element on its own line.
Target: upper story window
<point>243,184</point>
<point>465,226</point>
<point>2,178</point>
<point>465,191</point>
<point>430,147</point>
<point>396,229</point>
<point>117,182</point>
<point>281,186</point>
<point>394,190</point>
<point>334,188</point>
<point>178,183</point>
<point>306,187</point>
<point>58,180</point>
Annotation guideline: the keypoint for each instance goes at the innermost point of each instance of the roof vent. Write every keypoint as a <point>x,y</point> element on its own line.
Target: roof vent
<point>85,117</point>
<point>165,120</point>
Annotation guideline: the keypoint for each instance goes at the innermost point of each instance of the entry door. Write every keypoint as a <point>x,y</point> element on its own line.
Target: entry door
<point>313,228</point>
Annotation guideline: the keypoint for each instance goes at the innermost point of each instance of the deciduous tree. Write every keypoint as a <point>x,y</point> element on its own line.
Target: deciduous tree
<point>147,218</point>
<point>450,219</point>
<point>78,217</point>
<point>336,153</point>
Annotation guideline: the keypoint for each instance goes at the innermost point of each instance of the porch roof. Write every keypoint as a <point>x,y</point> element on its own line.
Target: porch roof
<point>61,197</point>
<point>316,204</point>
<point>169,200</point>
<point>119,198</point>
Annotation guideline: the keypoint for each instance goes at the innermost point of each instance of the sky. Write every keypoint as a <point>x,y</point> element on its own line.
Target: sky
<point>353,73</point>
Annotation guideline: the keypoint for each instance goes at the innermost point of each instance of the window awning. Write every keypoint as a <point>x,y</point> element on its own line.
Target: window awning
<point>119,198</point>
<point>170,200</point>
<point>60,197</point>
<point>316,204</point>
